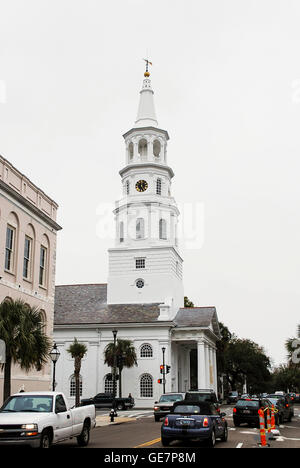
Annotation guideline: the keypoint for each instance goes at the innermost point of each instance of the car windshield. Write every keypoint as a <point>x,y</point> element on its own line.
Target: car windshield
<point>199,396</point>
<point>233,393</point>
<point>251,403</point>
<point>192,409</point>
<point>279,397</point>
<point>166,398</point>
<point>28,403</point>
<point>274,401</point>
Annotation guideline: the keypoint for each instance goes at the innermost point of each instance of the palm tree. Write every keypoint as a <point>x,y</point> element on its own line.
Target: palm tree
<point>126,357</point>
<point>22,330</point>
<point>77,351</point>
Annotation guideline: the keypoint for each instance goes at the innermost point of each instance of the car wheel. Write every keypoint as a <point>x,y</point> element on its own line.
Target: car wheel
<point>46,439</point>
<point>156,418</point>
<point>84,438</point>
<point>165,442</point>
<point>212,440</point>
<point>120,406</point>
<point>237,423</point>
<point>225,435</point>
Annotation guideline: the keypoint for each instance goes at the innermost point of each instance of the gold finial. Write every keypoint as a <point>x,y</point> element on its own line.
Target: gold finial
<point>147,74</point>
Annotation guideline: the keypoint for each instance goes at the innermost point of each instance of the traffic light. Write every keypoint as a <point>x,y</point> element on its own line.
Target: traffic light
<point>159,381</point>
<point>168,369</point>
<point>161,369</point>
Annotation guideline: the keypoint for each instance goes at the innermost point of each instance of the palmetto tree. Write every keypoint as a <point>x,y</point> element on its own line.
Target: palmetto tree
<point>124,349</point>
<point>22,329</point>
<point>77,351</point>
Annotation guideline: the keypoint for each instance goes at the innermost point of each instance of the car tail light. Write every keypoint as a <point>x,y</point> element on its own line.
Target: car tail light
<point>234,410</point>
<point>166,422</point>
<point>287,405</point>
<point>205,422</point>
<point>218,409</point>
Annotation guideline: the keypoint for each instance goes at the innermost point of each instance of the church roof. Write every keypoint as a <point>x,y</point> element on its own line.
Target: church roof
<point>87,304</point>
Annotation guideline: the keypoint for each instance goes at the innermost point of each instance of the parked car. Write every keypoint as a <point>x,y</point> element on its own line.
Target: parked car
<point>165,403</point>
<point>106,400</point>
<point>246,411</point>
<point>203,395</point>
<point>297,397</point>
<point>287,402</point>
<point>40,419</point>
<point>232,397</point>
<point>194,420</point>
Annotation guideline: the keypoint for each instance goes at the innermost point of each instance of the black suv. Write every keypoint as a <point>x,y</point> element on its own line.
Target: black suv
<point>246,410</point>
<point>203,395</point>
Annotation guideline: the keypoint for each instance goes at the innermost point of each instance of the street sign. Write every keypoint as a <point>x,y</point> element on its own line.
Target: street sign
<point>2,352</point>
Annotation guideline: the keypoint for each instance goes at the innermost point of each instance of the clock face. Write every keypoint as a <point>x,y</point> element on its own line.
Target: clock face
<point>141,186</point>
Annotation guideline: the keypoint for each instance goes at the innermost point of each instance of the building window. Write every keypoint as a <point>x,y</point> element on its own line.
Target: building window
<point>121,231</point>
<point>27,258</point>
<point>146,386</point>
<point>156,148</point>
<point>108,384</point>
<point>73,386</point>
<point>43,262</point>
<point>140,263</point>
<point>158,187</point>
<point>140,283</point>
<point>140,228</point>
<point>9,248</point>
<point>130,149</point>
<point>127,187</point>
<point>146,351</point>
<point>162,229</point>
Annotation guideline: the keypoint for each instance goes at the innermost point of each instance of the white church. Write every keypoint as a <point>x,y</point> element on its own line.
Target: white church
<point>143,299</point>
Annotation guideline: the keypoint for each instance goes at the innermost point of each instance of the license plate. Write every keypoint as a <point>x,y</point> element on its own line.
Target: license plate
<point>246,411</point>
<point>185,422</point>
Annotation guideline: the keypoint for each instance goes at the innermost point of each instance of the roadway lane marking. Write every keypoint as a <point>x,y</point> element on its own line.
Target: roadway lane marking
<point>240,445</point>
<point>151,442</point>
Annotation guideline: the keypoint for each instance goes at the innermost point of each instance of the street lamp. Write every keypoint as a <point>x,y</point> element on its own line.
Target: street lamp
<point>115,332</point>
<point>164,370</point>
<point>54,355</point>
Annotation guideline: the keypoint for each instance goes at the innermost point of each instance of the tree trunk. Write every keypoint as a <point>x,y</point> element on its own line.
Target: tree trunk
<point>7,378</point>
<point>77,381</point>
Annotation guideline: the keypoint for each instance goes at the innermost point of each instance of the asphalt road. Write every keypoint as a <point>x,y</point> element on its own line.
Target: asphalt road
<point>143,432</point>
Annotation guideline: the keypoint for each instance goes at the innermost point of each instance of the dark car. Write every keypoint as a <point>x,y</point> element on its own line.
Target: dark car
<point>232,397</point>
<point>282,413</point>
<point>106,400</point>
<point>165,403</point>
<point>205,395</point>
<point>194,420</point>
<point>287,403</point>
<point>246,411</point>
<point>297,397</point>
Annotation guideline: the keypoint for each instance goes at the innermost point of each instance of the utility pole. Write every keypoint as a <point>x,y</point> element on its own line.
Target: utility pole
<point>164,370</point>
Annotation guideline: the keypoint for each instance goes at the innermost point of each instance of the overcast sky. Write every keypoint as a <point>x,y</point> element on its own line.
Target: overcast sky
<point>226,76</point>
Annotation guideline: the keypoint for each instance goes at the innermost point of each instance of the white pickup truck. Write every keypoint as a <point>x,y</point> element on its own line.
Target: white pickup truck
<point>40,419</point>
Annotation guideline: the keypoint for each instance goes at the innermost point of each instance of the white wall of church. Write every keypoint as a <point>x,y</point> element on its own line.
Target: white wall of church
<point>93,370</point>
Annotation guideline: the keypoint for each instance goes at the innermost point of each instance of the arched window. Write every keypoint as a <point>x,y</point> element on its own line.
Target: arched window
<point>146,386</point>
<point>158,187</point>
<point>156,148</point>
<point>108,384</point>
<point>121,231</point>
<point>146,351</point>
<point>130,150</point>
<point>162,229</point>
<point>73,386</point>
<point>143,148</point>
<point>140,228</point>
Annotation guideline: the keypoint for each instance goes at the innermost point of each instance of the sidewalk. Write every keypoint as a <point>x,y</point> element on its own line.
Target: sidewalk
<point>105,420</point>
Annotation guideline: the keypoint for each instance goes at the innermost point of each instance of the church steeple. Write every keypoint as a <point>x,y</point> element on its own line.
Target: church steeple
<point>146,116</point>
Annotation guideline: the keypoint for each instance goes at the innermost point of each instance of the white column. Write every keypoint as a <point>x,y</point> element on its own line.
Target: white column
<point>201,365</point>
<point>215,371</point>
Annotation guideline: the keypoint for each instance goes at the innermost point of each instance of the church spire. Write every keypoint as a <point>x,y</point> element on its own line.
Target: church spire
<point>146,116</point>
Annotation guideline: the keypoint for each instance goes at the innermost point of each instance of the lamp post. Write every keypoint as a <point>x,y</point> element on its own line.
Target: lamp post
<point>115,332</point>
<point>164,370</point>
<point>54,355</point>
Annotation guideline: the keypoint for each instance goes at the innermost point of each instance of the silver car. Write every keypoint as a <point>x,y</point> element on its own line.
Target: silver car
<point>165,403</point>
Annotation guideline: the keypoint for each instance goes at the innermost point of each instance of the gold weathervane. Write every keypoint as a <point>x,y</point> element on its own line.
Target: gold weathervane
<point>147,74</point>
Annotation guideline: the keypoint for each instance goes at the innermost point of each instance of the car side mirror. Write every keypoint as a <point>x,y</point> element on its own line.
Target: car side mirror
<point>155,402</point>
<point>223,415</point>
